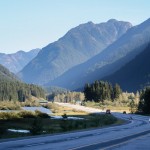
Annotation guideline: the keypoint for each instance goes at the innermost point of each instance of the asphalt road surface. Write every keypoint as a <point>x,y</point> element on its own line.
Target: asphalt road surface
<point>137,131</point>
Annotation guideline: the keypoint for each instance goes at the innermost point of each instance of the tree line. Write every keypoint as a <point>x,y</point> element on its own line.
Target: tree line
<point>69,97</point>
<point>16,90</point>
<point>101,90</point>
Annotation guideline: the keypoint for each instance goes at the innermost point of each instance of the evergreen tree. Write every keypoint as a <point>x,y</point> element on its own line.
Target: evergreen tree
<point>144,104</point>
<point>117,91</point>
<point>100,91</point>
<point>87,91</point>
<point>16,90</point>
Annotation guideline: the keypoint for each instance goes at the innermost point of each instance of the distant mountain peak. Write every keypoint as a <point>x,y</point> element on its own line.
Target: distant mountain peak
<point>90,22</point>
<point>20,51</point>
<point>112,20</point>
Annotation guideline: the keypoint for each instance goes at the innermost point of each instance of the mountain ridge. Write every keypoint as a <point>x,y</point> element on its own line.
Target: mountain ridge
<point>77,46</point>
<point>132,42</point>
<point>16,61</point>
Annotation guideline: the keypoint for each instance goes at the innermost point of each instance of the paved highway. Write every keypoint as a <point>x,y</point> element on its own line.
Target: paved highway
<point>104,138</point>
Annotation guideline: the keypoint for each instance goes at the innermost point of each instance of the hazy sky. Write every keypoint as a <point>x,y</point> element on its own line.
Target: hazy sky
<point>29,24</point>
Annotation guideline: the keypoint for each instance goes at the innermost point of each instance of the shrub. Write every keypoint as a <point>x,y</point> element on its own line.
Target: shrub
<point>3,130</point>
<point>109,119</point>
<point>64,125</point>
<point>64,116</point>
<point>9,105</point>
<point>8,115</point>
<point>27,114</point>
<point>36,127</point>
<point>41,115</point>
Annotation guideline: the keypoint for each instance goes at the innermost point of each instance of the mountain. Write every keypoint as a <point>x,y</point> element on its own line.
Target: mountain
<point>135,74</point>
<point>16,61</point>
<point>75,47</point>
<point>107,62</point>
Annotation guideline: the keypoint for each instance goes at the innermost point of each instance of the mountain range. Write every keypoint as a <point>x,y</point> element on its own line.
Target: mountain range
<point>75,47</point>
<point>16,61</point>
<point>114,51</point>
<point>110,60</point>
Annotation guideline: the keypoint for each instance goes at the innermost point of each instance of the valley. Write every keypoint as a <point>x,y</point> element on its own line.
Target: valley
<point>74,75</point>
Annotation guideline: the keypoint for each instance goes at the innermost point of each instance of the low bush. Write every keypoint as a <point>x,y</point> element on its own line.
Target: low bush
<point>10,105</point>
<point>41,115</point>
<point>3,130</point>
<point>22,114</point>
<point>9,115</point>
<point>101,120</point>
<point>36,127</point>
<point>64,116</point>
<point>26,114</point>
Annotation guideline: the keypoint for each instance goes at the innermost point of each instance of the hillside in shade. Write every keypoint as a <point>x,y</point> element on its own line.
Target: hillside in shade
<point>109,60</point>
<point>135,75</point>
<point>16,61</point>
<point>75,47</point>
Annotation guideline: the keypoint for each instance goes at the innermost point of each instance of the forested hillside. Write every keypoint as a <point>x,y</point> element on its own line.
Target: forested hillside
<point>13,89</point>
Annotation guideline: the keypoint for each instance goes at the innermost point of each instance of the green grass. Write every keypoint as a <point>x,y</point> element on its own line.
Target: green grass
<point>38,122</point>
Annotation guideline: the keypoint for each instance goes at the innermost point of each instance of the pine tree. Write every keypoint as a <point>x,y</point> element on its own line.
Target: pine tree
<point>144,105</point>
<point>117,91</point>
<point>100,91</point>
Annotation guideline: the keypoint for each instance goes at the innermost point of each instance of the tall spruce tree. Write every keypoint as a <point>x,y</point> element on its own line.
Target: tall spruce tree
<point>117,91</point>
<point>144,104</point>
<point>100,91</point>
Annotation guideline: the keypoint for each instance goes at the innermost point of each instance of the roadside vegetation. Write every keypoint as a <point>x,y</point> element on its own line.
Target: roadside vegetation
<point>125,102</point>
<point>104,95</point>
<point>100,94</point>
<point>40,124</point>
<point>16,105</point>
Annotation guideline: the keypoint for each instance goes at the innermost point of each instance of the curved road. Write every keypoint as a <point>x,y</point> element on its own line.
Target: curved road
<point>104,138</point>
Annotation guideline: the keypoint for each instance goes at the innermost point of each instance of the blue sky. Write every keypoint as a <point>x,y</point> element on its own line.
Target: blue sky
<point>29,24</point>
